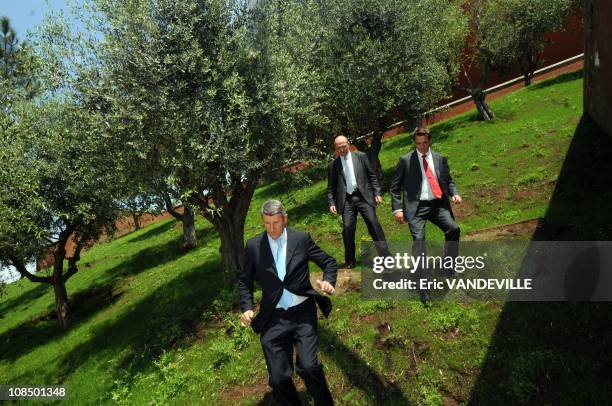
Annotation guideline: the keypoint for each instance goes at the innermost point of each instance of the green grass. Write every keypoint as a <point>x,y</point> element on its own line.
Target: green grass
<point>153,326</point>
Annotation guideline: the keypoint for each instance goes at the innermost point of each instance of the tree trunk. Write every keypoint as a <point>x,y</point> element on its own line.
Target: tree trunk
<point>529,64</point>
<point>61,301</point>
<point>488,109</point>
<point>528,73</point>
<point>229,222</point>
<point>58,278</point>
<point>372,149</point>
<point>482,106</point>
<point>136,219</point>
<point>478,95</point>
<point>59,285</point>
<point>232,249</point>
<point>372,152</point>
<point>190,240</point>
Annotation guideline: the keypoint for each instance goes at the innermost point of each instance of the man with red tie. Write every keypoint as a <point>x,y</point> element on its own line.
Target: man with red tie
<point>425,179</point>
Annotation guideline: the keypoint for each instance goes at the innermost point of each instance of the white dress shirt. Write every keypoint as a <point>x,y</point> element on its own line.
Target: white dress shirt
<point>426,191</point>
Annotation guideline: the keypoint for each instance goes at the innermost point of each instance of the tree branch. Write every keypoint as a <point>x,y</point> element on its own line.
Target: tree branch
<point>170,207</point>
<point>201,202</point>
<point>72,261</point>
<point>21,268</point>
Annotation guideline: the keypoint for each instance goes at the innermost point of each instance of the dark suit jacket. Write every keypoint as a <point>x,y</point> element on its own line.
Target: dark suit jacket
<point>408,178</point>
<point>367,183</point>
<point>259,264</point>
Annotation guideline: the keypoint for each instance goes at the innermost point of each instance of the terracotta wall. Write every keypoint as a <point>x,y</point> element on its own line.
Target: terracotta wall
<point>562,45</point>
<point>124,226</point>
<point>598,62</point>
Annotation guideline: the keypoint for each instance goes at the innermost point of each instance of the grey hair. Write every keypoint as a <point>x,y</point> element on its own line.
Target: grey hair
<point>273,207</point>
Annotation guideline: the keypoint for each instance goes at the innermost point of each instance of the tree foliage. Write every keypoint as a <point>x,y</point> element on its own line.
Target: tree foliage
<point>16,60</point>
<point>58,187</point>
<point>197,95</point>
<point>58,183</point>
<point>504,33</point>
<point>490,48</point>
<point>531,21</point>
<point>381,58</point>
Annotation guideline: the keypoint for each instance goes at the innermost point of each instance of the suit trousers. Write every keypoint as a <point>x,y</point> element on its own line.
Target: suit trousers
<point>439,214</point>
<point>296,328</point>
<point>354,204</point>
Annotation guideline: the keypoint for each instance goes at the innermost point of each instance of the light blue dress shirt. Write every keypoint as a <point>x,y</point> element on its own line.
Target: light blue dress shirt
<point>349,173</point>
<point>279,253</point>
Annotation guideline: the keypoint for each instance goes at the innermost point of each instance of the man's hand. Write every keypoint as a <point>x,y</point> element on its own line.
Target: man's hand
<point>377,199</point>
<point>457,199</point>
<point>332,210</point>
<point>399,217</point>
<point>325,286</point>
<point>246,317</point>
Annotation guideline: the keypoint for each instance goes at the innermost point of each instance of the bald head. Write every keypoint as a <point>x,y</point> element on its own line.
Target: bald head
<point>340,139</point>
<point>341,145</point>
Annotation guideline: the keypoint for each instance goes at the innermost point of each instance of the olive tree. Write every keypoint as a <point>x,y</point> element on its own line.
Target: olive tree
<point>531,20</point>
<point>198,93</point>
<point>58,188</point>
<point>18,84</point>
<point>504,33</point>
<point>491,47</point>
<point>381,56</point>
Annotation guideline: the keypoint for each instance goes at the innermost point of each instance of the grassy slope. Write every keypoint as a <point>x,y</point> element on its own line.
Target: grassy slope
<point>151,325</point>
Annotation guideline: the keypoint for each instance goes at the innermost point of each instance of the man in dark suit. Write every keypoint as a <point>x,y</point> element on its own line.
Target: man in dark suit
<point>352,187</point>
<point>278,259</point>
<point>425,179</point>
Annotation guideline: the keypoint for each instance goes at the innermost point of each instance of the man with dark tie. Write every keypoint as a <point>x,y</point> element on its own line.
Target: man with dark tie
<point>287,318</point>
<point>352,187</point>
<point>425,179</point>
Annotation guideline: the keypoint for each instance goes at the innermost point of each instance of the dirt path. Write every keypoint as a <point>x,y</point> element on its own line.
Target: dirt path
<point>520,229</point>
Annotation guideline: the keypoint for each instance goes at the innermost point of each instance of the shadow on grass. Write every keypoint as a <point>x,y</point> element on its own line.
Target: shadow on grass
<point>24,299</point>
<point>282,182</point>
<point>315,206</point>
<point>155,231</point>
<point>134,339</point>
<point>359,373</point>
<point>268,399</point>
<point>152,325</point>
<point>83,304</point>
<point>152,257</point>
<point>442,130</point>
<point>38,331</point>
<point>556,353</point>
<point>567,77</point>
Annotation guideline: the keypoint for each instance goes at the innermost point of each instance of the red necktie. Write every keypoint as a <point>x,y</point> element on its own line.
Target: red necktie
<point>433,182</point>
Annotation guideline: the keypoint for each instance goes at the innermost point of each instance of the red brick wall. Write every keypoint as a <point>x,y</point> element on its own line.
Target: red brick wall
<point>563,45</point>
<point>124,226</point>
